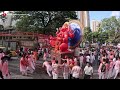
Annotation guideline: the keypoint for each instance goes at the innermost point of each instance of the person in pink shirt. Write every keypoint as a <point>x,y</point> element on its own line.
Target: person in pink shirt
<point>102,69</point>
<point>31,66</point>
<point>23,65</point>
<point>48,67</point>
<point>111,56</point>
<point>117,68</point>
<point>4,68</point>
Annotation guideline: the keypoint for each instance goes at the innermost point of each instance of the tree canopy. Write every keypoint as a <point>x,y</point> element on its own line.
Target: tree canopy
<point>45,22</point>
<point>108,31</point>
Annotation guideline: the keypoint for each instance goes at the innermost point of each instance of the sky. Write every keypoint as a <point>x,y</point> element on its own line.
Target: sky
<point>99,15</point>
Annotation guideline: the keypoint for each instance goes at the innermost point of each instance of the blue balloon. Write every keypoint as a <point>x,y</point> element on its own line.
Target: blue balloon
<point>72,42</point>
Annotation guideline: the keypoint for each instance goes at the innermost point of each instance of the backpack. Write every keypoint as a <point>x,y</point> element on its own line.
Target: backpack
<point>103,68</point>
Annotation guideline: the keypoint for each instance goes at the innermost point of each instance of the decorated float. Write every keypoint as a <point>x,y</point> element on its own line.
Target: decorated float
<point>67,39</point>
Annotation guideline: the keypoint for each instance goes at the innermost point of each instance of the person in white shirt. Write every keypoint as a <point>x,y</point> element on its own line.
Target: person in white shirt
<point>88,71</point>
<point>48,67</point>
<point>92,58</point>
<point>55,70</point>
<point>117,68</point>
<point>76,71</point>
<point>88,58</point>
<point>66,70</point>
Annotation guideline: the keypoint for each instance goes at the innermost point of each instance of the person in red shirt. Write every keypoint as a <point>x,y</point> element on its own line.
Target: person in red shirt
<point>23,65</point>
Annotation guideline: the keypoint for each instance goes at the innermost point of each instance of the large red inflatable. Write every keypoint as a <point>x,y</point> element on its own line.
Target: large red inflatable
<point>69,35</point>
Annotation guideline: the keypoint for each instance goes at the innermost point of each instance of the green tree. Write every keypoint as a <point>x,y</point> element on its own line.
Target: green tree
<point>108,27</point>
<point>87,34</point>
<point>42,21</point>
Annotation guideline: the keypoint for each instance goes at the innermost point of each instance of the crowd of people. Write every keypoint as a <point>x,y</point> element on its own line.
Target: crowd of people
<point>81,65</point>
<point>106,59</point>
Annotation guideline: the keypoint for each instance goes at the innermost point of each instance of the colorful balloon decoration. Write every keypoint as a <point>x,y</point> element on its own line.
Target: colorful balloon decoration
<point>68,36</point>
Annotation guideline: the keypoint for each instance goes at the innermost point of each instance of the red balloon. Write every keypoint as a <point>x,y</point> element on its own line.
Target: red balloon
<point>63,47</point>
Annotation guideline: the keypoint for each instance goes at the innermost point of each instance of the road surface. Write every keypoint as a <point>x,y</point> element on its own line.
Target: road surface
<point>39,73</point>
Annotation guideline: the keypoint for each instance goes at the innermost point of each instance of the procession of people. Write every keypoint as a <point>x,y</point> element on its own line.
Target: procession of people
<point>78,66</point>
<point>82,66</point>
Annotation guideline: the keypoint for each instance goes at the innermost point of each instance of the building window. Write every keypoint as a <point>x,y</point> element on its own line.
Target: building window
<point>6,37</point>
<point>10,37</point>
<point>3,38</point>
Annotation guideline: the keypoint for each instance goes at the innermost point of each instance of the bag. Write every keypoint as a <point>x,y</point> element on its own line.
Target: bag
<point>103,68</point>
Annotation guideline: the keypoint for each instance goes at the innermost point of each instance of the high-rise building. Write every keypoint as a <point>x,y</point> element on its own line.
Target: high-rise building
<point>95,25</point>
<point>84,18</point>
